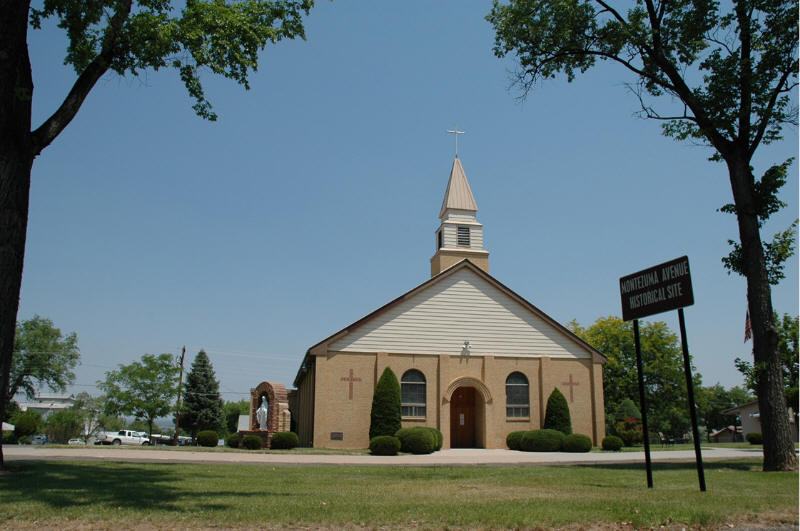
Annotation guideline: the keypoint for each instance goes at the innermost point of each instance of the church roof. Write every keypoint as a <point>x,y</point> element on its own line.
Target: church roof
<point>464,264</point>
<point>458,195</point>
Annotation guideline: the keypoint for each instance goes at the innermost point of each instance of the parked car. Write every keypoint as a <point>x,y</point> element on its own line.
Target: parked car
<point>76,442</point>
<point>129,437</point>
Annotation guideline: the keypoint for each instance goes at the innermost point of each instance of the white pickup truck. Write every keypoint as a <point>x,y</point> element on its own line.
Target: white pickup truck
<point>136,438</point>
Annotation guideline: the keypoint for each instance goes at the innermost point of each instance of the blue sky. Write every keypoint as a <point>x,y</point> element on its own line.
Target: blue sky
<point>314,199</point>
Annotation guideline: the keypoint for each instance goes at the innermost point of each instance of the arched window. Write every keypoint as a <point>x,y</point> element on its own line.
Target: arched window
<point>517,396</point>
<point>412,391</point>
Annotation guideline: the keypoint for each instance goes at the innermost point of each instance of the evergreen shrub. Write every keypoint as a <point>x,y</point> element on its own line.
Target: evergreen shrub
<point>404,433</point>
<point>612,443</point>
<point>577,443</point>
<point>385,413</point>
<point>284,440</point>
<point>439,439</point>
<point>208,438</point>
<point>755,437</point>
<point>24,440</point>
<point>384,445</point>
<point>514,439</point>
<point>556,415</point>
<point>401,434</point>
<point>232,441</point>
<point>252,442</point>
<point>542,441</point>
<point>419,441</point>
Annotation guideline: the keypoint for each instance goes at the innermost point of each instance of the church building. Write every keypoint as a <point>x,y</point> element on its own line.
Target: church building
<point>474,359</point>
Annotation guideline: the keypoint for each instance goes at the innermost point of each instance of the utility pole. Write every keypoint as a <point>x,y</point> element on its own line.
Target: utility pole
<point>178,410</point>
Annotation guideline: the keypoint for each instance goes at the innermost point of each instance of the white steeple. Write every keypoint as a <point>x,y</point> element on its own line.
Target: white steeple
<point>459,235</point>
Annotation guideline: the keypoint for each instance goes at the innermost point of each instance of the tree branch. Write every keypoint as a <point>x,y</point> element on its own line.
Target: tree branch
<point>681,89</point>
<point>613,12</point>
<point>52,127</point>
<point>762,126</point>
<point>745,75</point>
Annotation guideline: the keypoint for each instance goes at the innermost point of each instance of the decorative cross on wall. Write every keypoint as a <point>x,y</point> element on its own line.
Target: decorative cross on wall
<point>350,379</point>
<point>571,384</point>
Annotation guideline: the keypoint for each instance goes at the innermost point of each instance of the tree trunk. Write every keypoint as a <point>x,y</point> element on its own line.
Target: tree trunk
<point>779,451</point>
<point>16,160</point>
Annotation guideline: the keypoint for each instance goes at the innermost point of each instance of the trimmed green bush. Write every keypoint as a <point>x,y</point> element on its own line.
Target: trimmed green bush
<point>612,443</point>
<point>755,437</point>
<point>514,439</point>
<point>401,434</point>
<point>439,439</point>
<point>384,445</point>
<point>284,440</point>
<point>252,442</point>
<point>556,416</point>
<point>404,433</point>
<point>419,441</point>
<point>577,443</point>
<point>542,441</point>
<point>384,418</point>
<point>232,440</point>
<point>207,438</point>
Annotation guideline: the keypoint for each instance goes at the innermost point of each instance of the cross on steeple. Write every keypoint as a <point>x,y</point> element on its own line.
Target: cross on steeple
<point>455,132</point>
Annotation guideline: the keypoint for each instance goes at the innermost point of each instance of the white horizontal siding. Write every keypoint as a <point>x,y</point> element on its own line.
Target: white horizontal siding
<point>461,307</point>
<point>450,232</point>
<point>460,215</point>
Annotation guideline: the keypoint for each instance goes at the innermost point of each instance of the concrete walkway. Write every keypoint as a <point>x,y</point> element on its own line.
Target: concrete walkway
<point>453,457</point>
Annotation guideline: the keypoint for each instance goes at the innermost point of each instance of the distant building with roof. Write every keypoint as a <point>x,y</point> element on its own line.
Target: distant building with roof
<point>47,404</point>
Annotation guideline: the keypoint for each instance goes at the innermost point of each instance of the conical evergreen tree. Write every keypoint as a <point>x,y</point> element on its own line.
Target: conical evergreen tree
<point>385,414</point>
<point>556,416</point>
<point>202,405</point>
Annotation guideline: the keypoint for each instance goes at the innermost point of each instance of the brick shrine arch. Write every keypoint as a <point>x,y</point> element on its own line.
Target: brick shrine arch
<point>479,386</point>
<point>278,417</point>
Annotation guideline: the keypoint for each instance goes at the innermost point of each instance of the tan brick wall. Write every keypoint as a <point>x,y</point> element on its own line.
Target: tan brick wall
<point>336,412</point>
<point>444,259</point>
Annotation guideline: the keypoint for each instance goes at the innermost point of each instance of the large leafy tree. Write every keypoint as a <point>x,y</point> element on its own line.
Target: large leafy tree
<point>711,401</point>
<point>145,389</point>
<point>63,425</point>
<point>42,356</point>
<point>125,37</point>
<point>92,412</point>
<point>664,379</point>
<point>732,67</point>
<point>202,405</point>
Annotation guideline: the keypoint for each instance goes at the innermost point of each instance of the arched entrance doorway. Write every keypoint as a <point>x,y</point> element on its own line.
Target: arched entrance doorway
<point>466,418</point>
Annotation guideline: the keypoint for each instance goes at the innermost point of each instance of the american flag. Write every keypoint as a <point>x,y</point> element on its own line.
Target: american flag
<point>748,327</point>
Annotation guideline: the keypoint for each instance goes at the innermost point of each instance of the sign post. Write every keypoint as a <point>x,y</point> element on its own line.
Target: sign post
<point>658,289</point>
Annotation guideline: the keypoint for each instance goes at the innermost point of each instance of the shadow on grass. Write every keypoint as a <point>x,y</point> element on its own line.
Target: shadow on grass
<point>740,465</point>
<point>111,485</point>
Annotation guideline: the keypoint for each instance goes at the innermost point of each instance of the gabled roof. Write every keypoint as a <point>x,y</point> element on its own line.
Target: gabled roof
<point>464,264</point>
<point>458,195</point>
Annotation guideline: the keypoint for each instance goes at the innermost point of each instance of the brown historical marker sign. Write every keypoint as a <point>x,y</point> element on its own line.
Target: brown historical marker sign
<point>661,288</point>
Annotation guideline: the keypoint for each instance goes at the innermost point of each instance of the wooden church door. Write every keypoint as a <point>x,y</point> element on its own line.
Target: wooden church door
<point>462,418</point>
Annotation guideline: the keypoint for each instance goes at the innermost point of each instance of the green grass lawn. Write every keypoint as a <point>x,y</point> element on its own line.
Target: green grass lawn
<point>67,494</point>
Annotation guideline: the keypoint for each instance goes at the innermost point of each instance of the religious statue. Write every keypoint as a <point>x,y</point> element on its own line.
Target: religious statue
<point>262,412</point>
